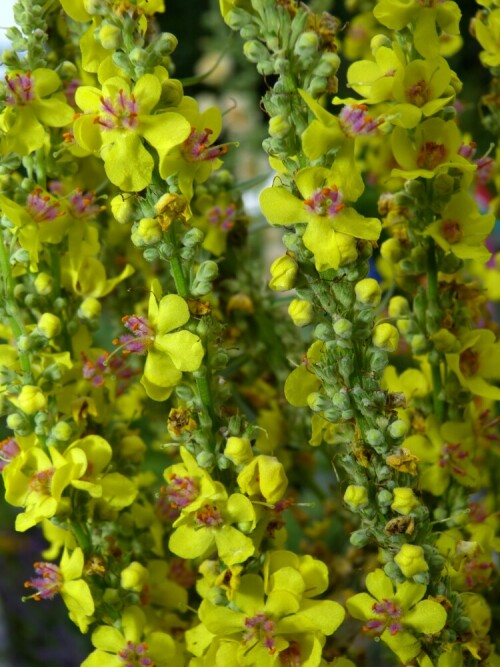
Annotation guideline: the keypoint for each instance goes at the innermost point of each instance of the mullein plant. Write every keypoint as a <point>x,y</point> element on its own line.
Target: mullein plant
<point>135,330</point>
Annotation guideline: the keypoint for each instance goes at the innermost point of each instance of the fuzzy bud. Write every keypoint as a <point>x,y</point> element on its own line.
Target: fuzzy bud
<point>356,496</point>
<point>238,450</point>
<point>90,308</point>
<point>256,52</point>
<point>110,36</point>
<point>121,208</point>
<point>386,337</point>
<point>368,292</point>
<point>391,250</point>
<point>279,127</point>
<point>283,271</point>
<point>49,325</point>
<point>44,284</point>
<point>398,306</point>
<point>301,312</point>
<point>404,500</point>
<point>411,560</point>
<point>398,429</point>
<point>343,328</point>
<point>62,431</point>
<point>148,232</point>
<point>31,400</point>
<point>134,577</point>
<point>307,44</point>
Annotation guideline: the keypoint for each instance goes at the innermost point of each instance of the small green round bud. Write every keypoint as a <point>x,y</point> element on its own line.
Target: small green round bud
<point>193,237</point>
<point>307,44</point>
<point>398,429</point>
<point>44,284</point>
<point>205,460</point>
<point>318,86</point>
<point>419,344</point>
<point>62,431</point>
<point>374,437</point>
<point>323,331</point>
<point>283,271</point>
<point>368,292</point>
<point>328,65</point>
<point>256,52</point>
<point>384,498</point>
<point>343,328</point>
<point>359,538</point>
<point>49,325</point>
<point>138,56</point>
<point>386,337</point>
<point>17,422</point>
<point>378,360</point>
<point>301,312</point>
<point>318,402</point>
<point>165,44</point>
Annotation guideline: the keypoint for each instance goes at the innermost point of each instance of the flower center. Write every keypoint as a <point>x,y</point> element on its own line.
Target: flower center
<point>260,628</point>
<point>325,202</point>
<point>389,614</point>
<point>121,112</point>
<point>222,217</point>
<point>9,449</point>
<point>20,89</point>
<point>290,657</point>
<point>40,481</point>
<point>82,204</point>
<point>355,121</point>
<point>209,516</point>
<point>48,583</point>
<point>135,655</point>
<point>197,147</point>
<point>469,362</point>
<point>431,155</point>
<point>42,207</point>
<point>452,455</point>
<point>451,231</point>
<point>180,492</point>
<point>141,337</point>
<point>419,93</point>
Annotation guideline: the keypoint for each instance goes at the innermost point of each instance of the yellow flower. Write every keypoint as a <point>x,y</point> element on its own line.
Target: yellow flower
<point>404,500</point>
<point>410,560</point>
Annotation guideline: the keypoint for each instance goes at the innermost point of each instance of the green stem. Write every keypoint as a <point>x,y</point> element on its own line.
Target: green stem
<point>205,394</point>
<point>12,310</point>
<point>433,300</point>
<point>179,277</point>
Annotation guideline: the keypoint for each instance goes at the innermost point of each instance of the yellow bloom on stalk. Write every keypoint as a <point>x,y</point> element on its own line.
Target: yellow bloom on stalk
<point>425,17</point>
<point>30,109</point>
<point>323,207</point>
<point>65,579</point>
<point>488,35</point>
<point>433,149</point>
<point>169,352</point>
<point>462,229</point>
<point>117,118</point>
<point>478,363</point>
<point>397,614</point>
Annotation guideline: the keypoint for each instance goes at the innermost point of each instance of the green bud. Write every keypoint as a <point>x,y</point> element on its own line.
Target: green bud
<point>307,44</point>
<point>341,400</point>
<point>147,232</point>
<point>223,463</point>
<point>318,86</point>
<point>318,402</point>
<point>256,52</point>
<point>165,44</point>
<point>359,538</point>
<point>62,431</point>
<point>279,126</point>
<point>151,254</point>
<point>419,344</point>
<point>193,237</point>
<point>323,331</point>
<point>421,578</point>
<point>374,437</point>
<point>122,61</point>
<point>44,284</point>
<point>249,31</point>
<point>343,328</point>
<point>18,422</point>
<point>393,571</point>
<point>328,65</point>
<point>207,271</point>
<point>205,460</point>
<point>415,189</point>
<point>398,429</point>
<point>110,36</point>
<point>386,337</point>
<point>346,367</point>
<point>384,498</point>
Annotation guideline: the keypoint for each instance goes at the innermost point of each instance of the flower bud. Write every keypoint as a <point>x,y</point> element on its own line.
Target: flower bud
<point>30,400</point>
<point>44,284</point>
<point>398,306</point>
<point>404,500</point>
<point>368,292</point>
<point>89,309</point>
<point>49,325</point>
<point>419,344</point>
<point>359,538</point>
<point>307,44</point>
<point>444,341</point>
<point>283,271</point>
<point>411,560</point>
<point>384,497</point>
<point>279,127</point>
<point>134,577</point>
<point>61,431</point>
<point>165,43</point>
<point>391,250</point>
<point>122,208</point>
<point>301,312</point>
<point>238,450</point>
<point>256,52</point>
<point>374,437</point>
<point>343,328</point>
<point>148,232</point>
<point>205,460</point>
<point>356,496</point>
<point>265,476</point>
<point>110,36</point>
<point>386,337</point>
<point>317,402</point>
<point>398,429</point>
